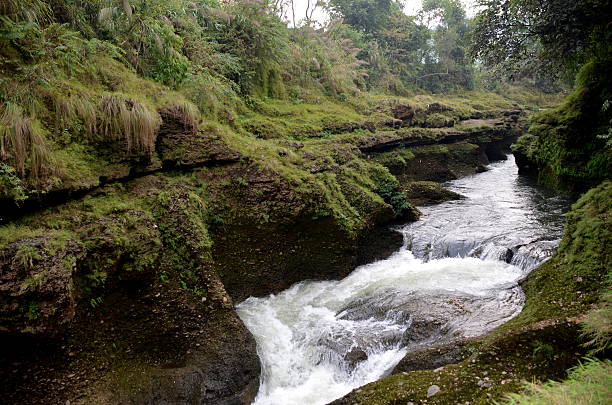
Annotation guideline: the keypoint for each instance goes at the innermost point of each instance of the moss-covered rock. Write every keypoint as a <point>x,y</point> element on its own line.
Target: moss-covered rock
<point>490,370</point>
<point>428,192</point>
<point>568,146</point>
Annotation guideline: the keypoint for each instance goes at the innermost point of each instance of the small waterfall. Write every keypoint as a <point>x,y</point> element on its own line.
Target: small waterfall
<point>456,276</point>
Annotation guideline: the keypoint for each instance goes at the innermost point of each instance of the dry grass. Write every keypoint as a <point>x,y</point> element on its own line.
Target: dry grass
<point>123,118</point>
<point>67,109</point>
<point>184,111</point>
<point>22,144</point>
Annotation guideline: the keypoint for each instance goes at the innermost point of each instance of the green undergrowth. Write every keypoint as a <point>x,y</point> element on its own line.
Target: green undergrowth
<point>286,119</point>
<point>328,179</point>
<point>124,232</point>
<point>589,383</point>
<point>454,106</point>
<point>524,96</point>
<point>75,111</point>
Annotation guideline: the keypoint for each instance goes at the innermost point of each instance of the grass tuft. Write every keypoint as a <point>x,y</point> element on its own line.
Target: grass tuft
<point>127,119</point>
<point>22,144</point>
<point>597,325</point>
<point>187,113</point>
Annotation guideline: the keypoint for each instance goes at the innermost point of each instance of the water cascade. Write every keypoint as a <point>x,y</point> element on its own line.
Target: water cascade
<point>456,276</point>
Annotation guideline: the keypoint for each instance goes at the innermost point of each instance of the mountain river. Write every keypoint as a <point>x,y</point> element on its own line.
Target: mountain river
<point>455,276</point>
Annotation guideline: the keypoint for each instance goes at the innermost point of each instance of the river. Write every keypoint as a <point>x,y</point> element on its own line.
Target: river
<point>456,276</point>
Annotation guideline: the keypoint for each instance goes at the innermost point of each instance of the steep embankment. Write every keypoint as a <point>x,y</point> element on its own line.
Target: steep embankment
<point>569,146</point>
<point>117,286</point>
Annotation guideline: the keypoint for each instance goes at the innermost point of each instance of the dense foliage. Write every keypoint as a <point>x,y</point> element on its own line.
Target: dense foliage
<point>551,35</point>
<point>96,72</point>
<point>570,145</point>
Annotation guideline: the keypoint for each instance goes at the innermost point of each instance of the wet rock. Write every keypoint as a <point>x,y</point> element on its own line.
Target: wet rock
<point>424,328</point>
<point>429,192</point>
<point>432,357</point>
<point>435,317</point>
<point>355,356</point>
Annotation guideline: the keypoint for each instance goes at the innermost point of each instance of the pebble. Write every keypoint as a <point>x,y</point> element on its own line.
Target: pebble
<point>432,390</point>
<point>483,384</point>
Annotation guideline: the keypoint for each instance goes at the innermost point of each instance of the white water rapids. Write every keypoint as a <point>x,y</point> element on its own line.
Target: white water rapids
<point>456,276</point>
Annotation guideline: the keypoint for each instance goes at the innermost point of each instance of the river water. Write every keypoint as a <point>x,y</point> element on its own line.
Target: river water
<point>455,276</point>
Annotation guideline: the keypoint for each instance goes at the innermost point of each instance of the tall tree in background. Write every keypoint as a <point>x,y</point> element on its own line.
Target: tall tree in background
<point>549,35</point>
<point>368,16</point>
<point>447,65</point>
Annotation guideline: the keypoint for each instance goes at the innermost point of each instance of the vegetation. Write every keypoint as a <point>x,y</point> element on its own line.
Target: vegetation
<point>588,383</point>
<point>134,133</point>
<point>569,144</point>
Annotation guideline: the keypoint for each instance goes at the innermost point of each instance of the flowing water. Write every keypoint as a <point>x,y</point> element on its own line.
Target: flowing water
<point>456,276</point>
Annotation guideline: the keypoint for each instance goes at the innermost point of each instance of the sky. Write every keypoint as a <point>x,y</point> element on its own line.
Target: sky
<point>412,6</point>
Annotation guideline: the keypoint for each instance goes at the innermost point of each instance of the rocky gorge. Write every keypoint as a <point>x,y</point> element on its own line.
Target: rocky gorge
<point>123,290</point>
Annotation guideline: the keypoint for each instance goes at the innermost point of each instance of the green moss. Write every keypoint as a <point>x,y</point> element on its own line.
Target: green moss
<point>281,119</point>
<point>489,373</point>
<point>570,144</point>
<point>395,158</point>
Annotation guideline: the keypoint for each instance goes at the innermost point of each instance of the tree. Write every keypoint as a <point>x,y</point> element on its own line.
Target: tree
<point>369,16</point>
<point>570,145</point>
<point>550,35</point>
<point>447,65</point>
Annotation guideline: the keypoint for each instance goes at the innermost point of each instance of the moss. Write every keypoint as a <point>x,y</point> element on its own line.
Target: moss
<point>280,119</point>
<point>493,370</point>
<point>397,157</point>
<point>569,144</point>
